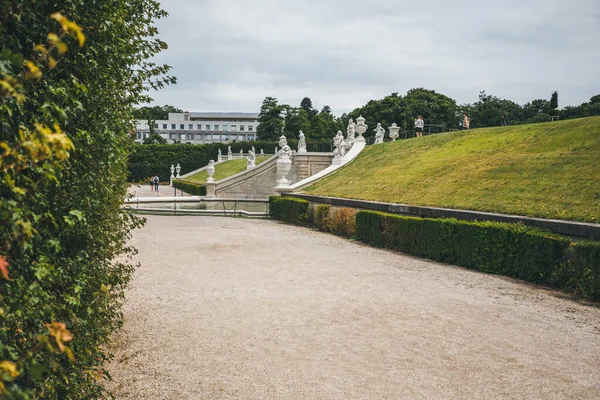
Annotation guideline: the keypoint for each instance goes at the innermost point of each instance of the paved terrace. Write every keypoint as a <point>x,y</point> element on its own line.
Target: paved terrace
<point>226,308</point>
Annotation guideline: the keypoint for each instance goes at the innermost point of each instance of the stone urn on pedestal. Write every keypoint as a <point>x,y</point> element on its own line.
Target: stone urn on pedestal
<point>394,131</point>
<point>210,182</point>
<point>360,128</point>
<point>284,163</point>
<point>210,170</point>
<point>178,169</point>
<point>172,174</point>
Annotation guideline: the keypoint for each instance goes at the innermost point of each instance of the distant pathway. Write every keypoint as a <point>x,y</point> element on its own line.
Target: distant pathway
<point>245,309</point>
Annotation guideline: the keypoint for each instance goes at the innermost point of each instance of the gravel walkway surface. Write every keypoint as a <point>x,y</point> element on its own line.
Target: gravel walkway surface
<point>226,308</point>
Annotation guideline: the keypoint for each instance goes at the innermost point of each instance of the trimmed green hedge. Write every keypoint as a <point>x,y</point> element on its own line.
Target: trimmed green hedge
<point>196,189</point>
<point>508,249</point>
<point>287,209</point>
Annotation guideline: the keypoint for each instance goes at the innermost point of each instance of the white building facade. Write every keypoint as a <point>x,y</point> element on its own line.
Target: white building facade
<point>202,127</point>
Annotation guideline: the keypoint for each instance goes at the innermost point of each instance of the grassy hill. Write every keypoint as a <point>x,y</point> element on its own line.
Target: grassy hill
<point>224,170</point>
<point>548,170</point>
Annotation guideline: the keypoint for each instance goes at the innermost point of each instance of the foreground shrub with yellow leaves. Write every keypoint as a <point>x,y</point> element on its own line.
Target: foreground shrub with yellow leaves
<point>69,79</point>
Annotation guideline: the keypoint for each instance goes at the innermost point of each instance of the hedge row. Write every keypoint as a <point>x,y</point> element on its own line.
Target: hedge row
<point>150,159</point>
<point>294,211</point>
<point>508,249</point>
<point>196,189</point>
<point>499,248</point>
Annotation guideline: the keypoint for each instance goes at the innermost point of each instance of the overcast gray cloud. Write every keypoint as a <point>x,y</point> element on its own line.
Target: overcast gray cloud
<point>228,55</point>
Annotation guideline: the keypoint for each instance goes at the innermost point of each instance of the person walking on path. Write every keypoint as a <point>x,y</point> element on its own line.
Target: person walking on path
<point>152,183</point>
<point>466,121</point>
<point>419,124</point>
<point>504,121</point>
<point>156,183</point>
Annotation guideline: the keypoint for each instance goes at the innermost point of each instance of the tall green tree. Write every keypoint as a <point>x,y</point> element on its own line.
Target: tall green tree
<point>68,87</point>
<point>270,120</point>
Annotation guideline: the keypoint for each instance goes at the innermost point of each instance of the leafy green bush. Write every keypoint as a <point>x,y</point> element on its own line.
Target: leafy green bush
<point>66,100</point>
<point>321,217</point>
<point>508,249</point>
<point>287,209</point>
<point>581,272</point>
<point>196,189</point>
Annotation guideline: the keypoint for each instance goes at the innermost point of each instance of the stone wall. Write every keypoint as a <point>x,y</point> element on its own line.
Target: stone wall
<point>260,181</point>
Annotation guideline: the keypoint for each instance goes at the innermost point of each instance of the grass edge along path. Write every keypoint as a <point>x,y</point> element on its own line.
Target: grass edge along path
<point>547,170</point>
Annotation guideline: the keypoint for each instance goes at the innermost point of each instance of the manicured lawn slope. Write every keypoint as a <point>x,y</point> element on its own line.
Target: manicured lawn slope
<point>224,170</point>
<point>549,170</point>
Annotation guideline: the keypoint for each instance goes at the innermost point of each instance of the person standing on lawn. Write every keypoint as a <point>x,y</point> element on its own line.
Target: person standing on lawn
<point>419,124</point>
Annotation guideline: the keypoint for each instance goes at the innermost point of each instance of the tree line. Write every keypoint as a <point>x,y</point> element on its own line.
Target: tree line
<point>441,113</point>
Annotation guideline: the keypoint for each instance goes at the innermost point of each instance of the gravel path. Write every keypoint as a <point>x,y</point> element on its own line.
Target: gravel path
<point>227,308</point>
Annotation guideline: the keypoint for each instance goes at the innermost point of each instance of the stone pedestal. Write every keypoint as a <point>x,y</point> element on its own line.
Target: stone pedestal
<point>211,189</point>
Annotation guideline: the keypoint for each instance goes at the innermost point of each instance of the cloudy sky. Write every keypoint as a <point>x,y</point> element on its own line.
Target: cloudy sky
<point>229,54</point>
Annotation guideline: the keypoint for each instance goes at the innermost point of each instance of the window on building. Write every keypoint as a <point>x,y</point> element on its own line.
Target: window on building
<point>225,128</point>
<point>208,127</point>
<point>199,127</point>
<point>241,128</point>
<point>181,136</point>
<point>164,126</point>
<point>250,128</point>
<point>139,135</point>
<point>190,136</point>
<point>216,127</point>
<point>250,137</point>
<point>186,117</point>
<point>191,127</point>
<point>182,126</point>
<point>198,136</point>
<point>233,128</point>
<point>155,126</point>
<point>173,126</point>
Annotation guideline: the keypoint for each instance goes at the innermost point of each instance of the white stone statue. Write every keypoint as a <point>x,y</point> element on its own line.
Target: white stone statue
<point>228,150</point>
<point>338,143</point>
<point>276,152</point>
<point>284,163</point>
<point>250,160</point>
<point>301,143</point>
<point>241,153</point>
<point>262,153</point>
<point>351,131</point>
<point>253,151</point>
<point>285,151</point>
<point>379,134</point>
<point>220,153</point>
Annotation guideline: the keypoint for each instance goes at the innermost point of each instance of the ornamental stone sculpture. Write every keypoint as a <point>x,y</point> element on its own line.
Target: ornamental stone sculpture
<point>351,131</point>
<point>338,143</point>
<point>253,151</point>
<point>172,175</point>
<point>394,131</point>
<point>228,150</point>
<point>241,153</point>
<point>210,170</point>
<point>220,156</point>
<point>301,143</point>
<point>379,134</point>
<point>262,153</point>
<point>360,128</point>
<point>284,163</point>
<point>178,169</point>
<point>250,160</point>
